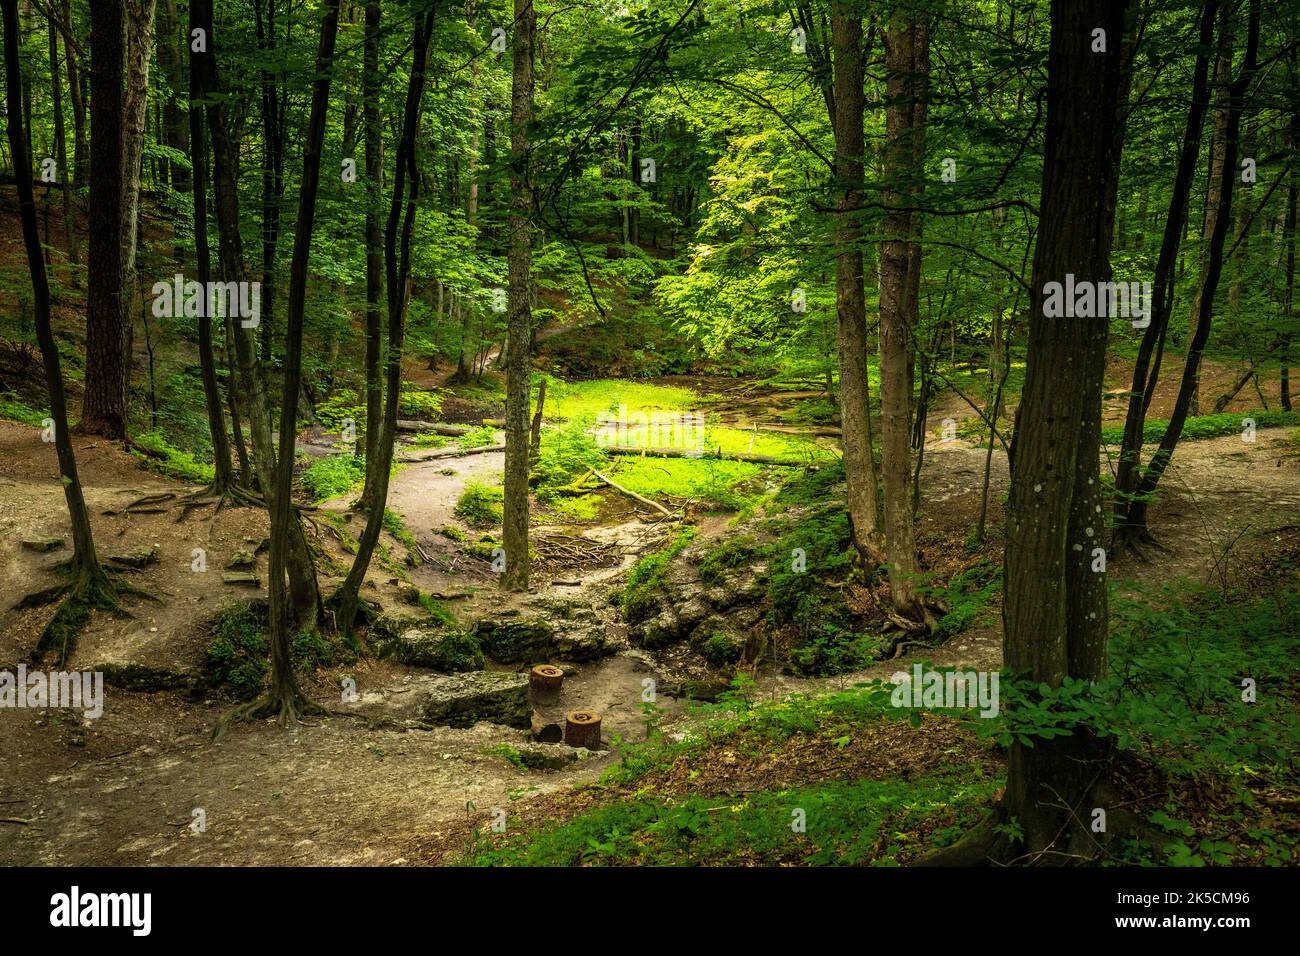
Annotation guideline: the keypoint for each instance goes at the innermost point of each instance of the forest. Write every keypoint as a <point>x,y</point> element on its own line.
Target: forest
<point>649,433</point>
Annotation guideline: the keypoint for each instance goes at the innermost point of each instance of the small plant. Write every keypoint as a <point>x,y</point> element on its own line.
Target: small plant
<point>480,505</point>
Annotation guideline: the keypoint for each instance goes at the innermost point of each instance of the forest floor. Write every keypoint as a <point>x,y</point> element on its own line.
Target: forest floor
<point>122,789</point>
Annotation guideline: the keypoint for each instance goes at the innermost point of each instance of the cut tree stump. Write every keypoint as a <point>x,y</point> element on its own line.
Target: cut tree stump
<point>582,729</point>
<point>544,682</point>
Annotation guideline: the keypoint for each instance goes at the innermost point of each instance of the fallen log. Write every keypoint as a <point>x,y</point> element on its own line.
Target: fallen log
<point>716,453</point>
<point>450,453</point>
<point>411,425</point>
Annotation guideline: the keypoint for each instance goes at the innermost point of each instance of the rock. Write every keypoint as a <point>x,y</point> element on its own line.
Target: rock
<point>547,732</point>
<point>242,559</point>
<point>542,757</point>
<point>462,700</point>
<point>451,651</point>
<point>580,636</point>
<point>240,577</point>
<point>138,558</point>
<point>42,545</point>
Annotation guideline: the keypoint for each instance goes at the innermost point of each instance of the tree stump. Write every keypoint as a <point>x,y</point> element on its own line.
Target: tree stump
<point>582,729</point>
<point>544,683</point>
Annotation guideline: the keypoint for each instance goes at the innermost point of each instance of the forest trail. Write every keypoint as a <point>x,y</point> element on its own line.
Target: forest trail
<point>338,790</point>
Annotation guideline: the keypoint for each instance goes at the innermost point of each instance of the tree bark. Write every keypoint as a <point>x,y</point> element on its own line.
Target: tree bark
<point>519,323</point>
<point>374,147</point>
<point>285,697</point>
<point>103,409</point>
<point>846,102</point>
<point>906,62</point>
<point>1055,616</point>
<point>397,261</point>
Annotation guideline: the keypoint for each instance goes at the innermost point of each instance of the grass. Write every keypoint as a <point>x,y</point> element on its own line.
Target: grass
<point>586,400</point>
<point>647,574</point>
<point>1204,426</point>
<point>13,408</point>
<point>480,505</point>
<point>333,476</point>
<point>175,463</point>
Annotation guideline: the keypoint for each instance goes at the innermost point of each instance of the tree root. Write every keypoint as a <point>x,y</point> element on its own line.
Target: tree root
<point>983,845</point>
<point>287,708</point>
<point>91,590</point>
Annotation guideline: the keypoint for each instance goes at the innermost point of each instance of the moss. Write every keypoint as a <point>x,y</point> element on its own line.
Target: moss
<point>646,576</point>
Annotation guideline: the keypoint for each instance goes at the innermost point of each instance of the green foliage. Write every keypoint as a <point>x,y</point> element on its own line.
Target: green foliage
<point>480,505</point>
<point>175,463</point>
<point>566,454</point>
<point>238,654</point>
<point>14,408</point>
<point>1204,426</point>
<point>647,574</point>
<point>333,476</point>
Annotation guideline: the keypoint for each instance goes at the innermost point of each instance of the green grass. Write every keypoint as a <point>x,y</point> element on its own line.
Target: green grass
<point>1204,426</point>
<point>586,400</point>
<point>15,409</point>
<point>710,481</point>
<point>845,824</point>
<point>176,463</point>
<point>333,476</point>
<point>480,505</point>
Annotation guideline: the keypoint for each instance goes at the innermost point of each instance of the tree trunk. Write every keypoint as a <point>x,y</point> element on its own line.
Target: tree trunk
<point>1127,527</point>
<point>519,323</point>
<point>906,61</point>
<point>846,101</point>
<point>374,138</point>
<point>103,409</point>
<point>79,151</point>
<point>397,261</point>
<point>1055,616</point>
<point>61,150</point>
<point>302,576</point>
<point>223,477</point>
<point>285,697</point>
<point>89,581</point>
<point>1210,284</point>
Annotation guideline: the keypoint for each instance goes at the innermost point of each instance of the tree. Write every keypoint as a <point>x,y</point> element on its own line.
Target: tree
<point>518,348</point>
<point>906,66</point>
<point>397,261</point>
<point>103,409</point>
<point>88,585</point>
<point>374,138</point>
<point>284,698</point>
<point>1055,610</point>
<point>846,101</point>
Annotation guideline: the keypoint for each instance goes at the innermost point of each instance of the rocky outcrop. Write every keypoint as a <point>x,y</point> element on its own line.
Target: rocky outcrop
<point>546,630</point>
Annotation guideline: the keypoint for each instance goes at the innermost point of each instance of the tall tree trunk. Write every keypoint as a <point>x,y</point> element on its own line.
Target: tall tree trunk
<point>1210,283</point>
<point>906,61</point>
<point>103,409</point>
<point>397,262</point>
<point>89,583</point>
<point>79,150</point>
<point>1145,376</point>
<point>374,137</point>
<point>1054,614</point>
<point>61,150</point>
<point>135,124</point>
<point>285,699</point>
<point>846,102</point>
<point>519,323</point>
<point>1214,178</point>
<point>170,62</point>
<point>223,477</point>
<point>273,144</point>
<point>302,575</point>
<point>1288,235</point>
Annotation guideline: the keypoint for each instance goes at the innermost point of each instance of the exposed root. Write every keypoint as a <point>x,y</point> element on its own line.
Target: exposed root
<point>43,597</point>
<point>135,506</point>
<point>983,845</point>
<point>91,590</point>
<point>287,708</point>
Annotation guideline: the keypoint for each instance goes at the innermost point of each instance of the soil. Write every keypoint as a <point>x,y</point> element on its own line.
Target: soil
<point>124,788</point>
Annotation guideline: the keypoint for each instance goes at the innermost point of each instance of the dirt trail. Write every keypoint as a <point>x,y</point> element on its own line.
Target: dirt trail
<point>123,789</point>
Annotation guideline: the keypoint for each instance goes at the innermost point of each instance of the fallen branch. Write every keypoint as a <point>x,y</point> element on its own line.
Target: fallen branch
<point>631,494</point>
